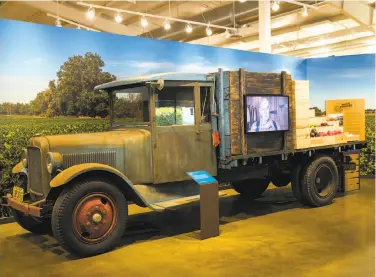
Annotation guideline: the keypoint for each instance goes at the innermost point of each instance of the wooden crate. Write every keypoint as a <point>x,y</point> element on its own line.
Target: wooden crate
<point>351,179</point>
<point>302,143</point>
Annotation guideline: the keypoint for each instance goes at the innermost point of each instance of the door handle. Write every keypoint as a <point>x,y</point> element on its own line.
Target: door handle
<point>199,132</point>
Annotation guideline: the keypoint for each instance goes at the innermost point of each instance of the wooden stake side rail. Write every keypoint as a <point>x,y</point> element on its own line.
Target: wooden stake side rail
<point>343,146</point>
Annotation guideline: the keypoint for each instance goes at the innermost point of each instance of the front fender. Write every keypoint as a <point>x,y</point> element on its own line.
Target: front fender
<point>72,172</point>
<point>19,168</point>
<point>75,171</point>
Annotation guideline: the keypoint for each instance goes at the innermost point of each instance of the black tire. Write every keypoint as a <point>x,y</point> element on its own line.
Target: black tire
<point>281,180</point>
<point>32,224</point>
<point>252,188</point>
<point>73,217</point>
<point>320,181</point>
<point>296,183</point>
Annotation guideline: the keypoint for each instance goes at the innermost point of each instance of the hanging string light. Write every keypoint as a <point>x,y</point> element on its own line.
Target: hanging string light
<point>275,6</point>
<point>305,11</point>
<point>90,14</point>
<point>144,21</point>
<point>118,18</point>
<point>167,25</point>
<point>189,28</point>
<point>58,23</point>
<point>209,31</point>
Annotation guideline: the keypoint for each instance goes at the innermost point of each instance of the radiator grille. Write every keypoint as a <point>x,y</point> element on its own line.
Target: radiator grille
<point>35,169</point>
<point>108,158</point>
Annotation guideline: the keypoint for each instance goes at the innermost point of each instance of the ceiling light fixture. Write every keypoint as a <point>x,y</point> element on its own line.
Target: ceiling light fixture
<point>167,25</point>
<point>227,33</point>
<point>189,28</point>
<point>305,11</point>
<point>79,26</point>
<point>144,21</point>
<point>90,14</point>
<point>161,17</point>
<point>118,18</point>
<point>58,22</point>
<point>242,1</point>
<point>209,31</point>
<point>275,6</point>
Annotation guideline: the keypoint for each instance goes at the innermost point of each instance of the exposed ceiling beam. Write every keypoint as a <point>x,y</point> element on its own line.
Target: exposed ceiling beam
<point>344,34</point>
<point>69,12</point>
<point>357,10</point>
<point>335,46</point>
<point>282,31</point>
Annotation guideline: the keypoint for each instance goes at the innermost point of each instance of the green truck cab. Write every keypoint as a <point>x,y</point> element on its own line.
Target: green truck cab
<point>80,185</point>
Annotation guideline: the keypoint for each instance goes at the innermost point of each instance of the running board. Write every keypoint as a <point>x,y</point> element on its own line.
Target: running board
<point>167,196</point>
<point>175,203</point>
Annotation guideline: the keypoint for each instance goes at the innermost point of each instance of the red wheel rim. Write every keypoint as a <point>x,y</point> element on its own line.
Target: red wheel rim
<point>94,218</point>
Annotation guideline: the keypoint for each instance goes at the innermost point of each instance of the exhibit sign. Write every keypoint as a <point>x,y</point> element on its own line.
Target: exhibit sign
<point>201,177</point>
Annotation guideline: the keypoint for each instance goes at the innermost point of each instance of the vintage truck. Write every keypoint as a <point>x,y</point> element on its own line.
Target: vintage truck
<point>80,184</point>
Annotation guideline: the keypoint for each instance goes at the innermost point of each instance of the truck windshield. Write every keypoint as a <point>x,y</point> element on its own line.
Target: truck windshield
<point>130,107</point>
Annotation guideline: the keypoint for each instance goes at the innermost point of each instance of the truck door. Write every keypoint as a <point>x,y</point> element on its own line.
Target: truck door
<point>182,139</point>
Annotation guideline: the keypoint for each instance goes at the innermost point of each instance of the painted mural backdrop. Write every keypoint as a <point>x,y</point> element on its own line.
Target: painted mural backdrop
<point>347,77</point>
<point>47,76</point>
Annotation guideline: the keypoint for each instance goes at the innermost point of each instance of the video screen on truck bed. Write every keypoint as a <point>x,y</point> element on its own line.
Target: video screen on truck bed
<point>266,113</point>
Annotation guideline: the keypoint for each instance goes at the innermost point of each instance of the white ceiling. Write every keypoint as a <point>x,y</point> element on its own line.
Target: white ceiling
<point>335,28</point>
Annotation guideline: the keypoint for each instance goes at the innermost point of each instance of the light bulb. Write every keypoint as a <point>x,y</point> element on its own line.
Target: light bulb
<point>209,31</point>
<point>58,23</point>
<point>189,28</point>
<point>118,18</point>
<point>167,25</point>
<point>90,14</point>
<point>144,21</point>
<point>227,33</point>
<point>305,11</point>
<point>275,6</point>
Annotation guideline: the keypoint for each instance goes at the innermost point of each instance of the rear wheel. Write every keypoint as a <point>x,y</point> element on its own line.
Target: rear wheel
<point>296,182</point>
<point>90,217</point>
<point>320,181</point>
<point>32,224</point>
<point>251,188</point>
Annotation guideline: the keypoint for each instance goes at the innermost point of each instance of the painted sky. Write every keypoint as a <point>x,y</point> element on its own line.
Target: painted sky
<point>31,54</point>
<point>342,77</point>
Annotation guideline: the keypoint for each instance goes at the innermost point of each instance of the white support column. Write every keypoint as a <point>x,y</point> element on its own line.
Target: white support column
<point>264,26</point>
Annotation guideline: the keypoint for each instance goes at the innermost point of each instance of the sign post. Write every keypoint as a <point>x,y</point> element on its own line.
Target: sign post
<point>209,203</point>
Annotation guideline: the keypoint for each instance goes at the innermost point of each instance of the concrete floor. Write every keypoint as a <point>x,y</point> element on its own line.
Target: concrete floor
<point>273,236</point>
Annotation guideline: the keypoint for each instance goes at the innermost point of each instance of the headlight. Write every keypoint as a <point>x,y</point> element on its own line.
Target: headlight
<point>24,158</point>
<point>54,162</point>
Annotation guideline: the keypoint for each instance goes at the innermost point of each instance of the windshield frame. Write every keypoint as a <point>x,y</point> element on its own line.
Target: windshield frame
<point>113,123</point>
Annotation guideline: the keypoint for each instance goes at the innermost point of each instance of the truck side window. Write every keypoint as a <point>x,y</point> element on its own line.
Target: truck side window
<point>175,106</point>
<point>205,104</point>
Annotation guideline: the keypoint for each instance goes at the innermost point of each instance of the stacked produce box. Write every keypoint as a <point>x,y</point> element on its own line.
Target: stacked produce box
<point>300,114</point>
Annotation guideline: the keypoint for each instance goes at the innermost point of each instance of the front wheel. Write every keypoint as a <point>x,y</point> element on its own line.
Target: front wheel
<point>320,181</point>
<point>90,217</point>
<point>251,188</point>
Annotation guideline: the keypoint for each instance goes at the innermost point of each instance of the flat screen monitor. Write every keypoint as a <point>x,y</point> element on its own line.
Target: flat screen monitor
<point>266,113</point>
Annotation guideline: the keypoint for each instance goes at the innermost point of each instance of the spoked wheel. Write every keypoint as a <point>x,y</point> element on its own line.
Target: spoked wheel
<point>94,218</point>
<point>90,217</point>
<point>320,181</point>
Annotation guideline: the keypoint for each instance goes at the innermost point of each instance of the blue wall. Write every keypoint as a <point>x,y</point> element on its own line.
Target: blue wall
<point>27,67</point>
<point>46,48</point>
<point>342,77</point>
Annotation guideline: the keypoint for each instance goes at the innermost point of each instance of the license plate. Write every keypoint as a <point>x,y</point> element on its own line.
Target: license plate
<point>18,193</point>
